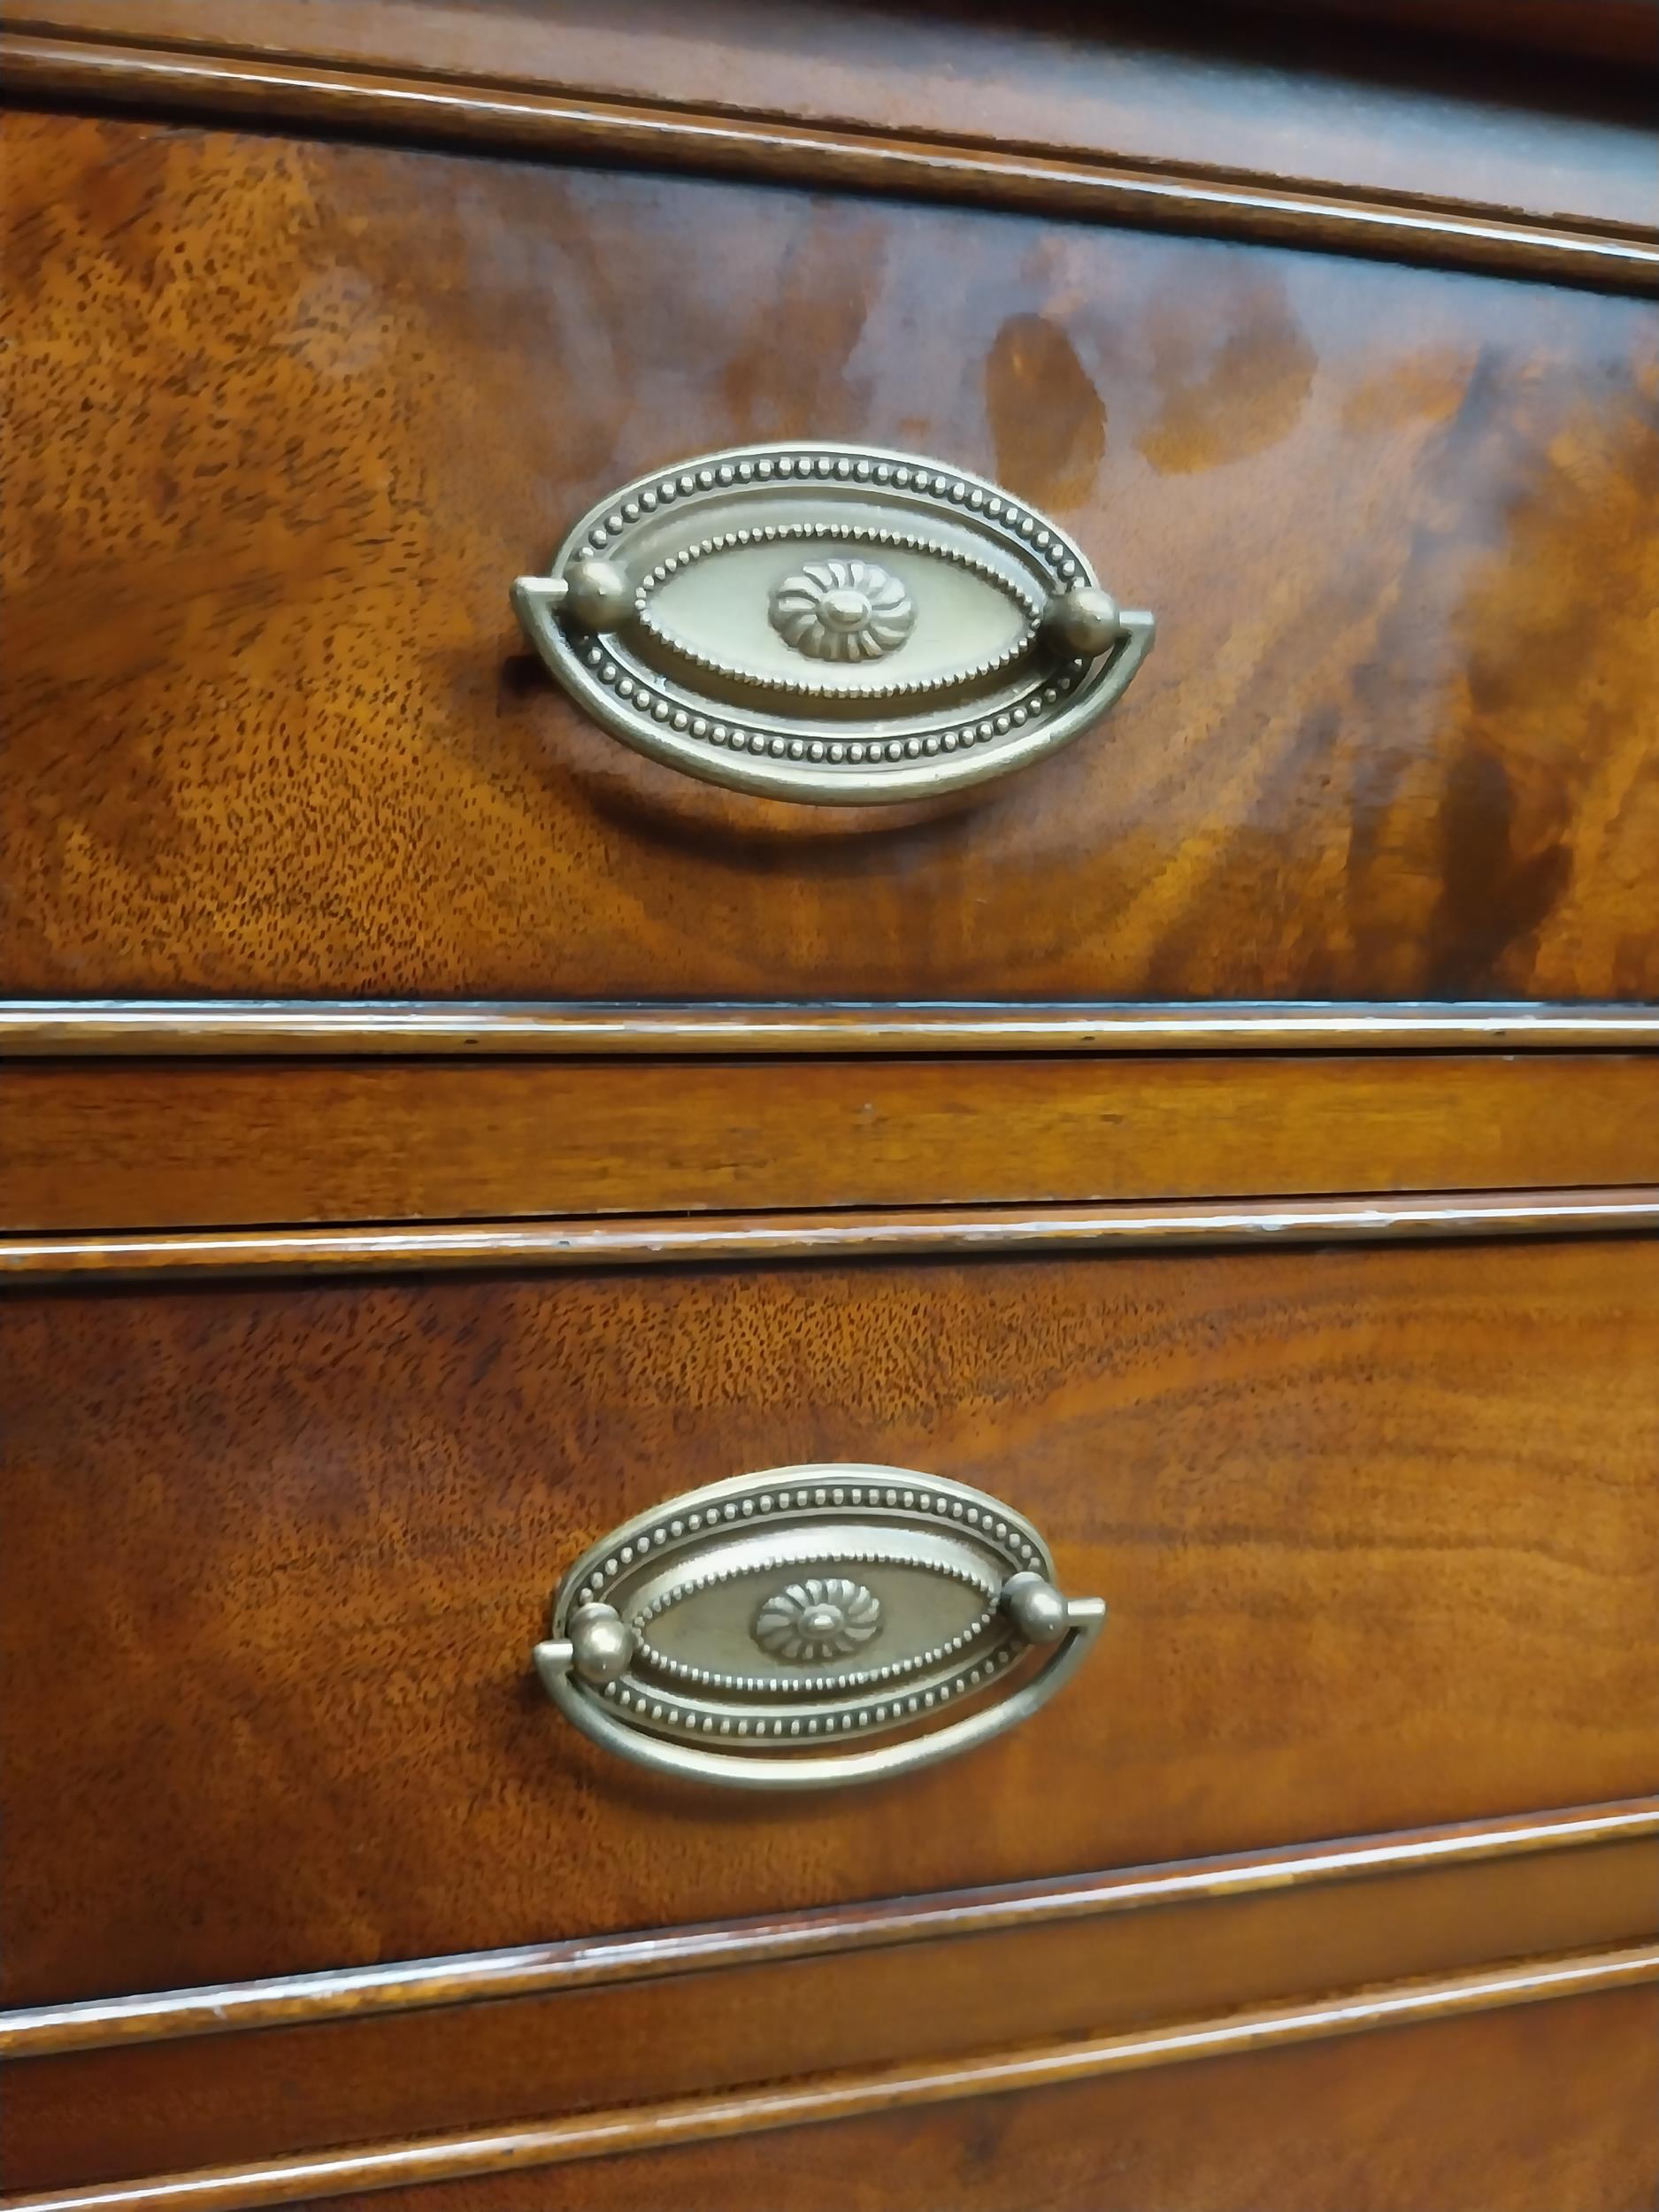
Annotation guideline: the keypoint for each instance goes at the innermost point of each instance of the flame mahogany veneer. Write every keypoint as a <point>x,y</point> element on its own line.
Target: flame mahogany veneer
<point>432,1133</point>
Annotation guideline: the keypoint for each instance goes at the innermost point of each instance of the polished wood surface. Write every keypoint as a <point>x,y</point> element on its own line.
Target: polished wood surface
<point>882,2090</point>
<point>176,1144</point>
<point>263,579</point>
<point>430,1132</point>
<point>1132,88</point>
<point>310,98</point>
<point>1531,2110</point>
<point>287,1028</point>
<point>670,1240</point>
<point>1377,1528</point>
<point>1117,1956</point>
<point>1589,1846</point>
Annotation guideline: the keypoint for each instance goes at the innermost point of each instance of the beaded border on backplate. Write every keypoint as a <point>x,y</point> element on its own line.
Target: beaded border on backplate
<point>676,1713</point>
<point>689,1718</point>
<point>678,714</point>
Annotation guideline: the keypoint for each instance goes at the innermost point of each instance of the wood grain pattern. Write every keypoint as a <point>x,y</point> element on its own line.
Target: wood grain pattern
<point>767,1238</point>
<point>168,1144</point>
<point>1287,106</point>
<point>884,2090</point>
<point>308,98</point>
<point>1376,1519</point>
<point>665,1954</point>
<point>261,577</point>
<point>1084,1959</point>
<point>1378,1527</point>
<point>275,1028</point>
<point>1522,2111</point>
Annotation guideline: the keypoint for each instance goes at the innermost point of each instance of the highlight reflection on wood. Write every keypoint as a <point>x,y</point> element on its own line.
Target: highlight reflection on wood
<point>1377,1527</point>
<point>1545,2106</point>
<point>754,1240</point>
<point>197,2078</point>
<point>430,1133</point>
<point>313,755</point>
<point>811,2103</point>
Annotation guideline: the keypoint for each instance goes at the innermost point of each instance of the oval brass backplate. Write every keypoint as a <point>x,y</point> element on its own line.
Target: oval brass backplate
<point>830,623</point>
<point>757,1631</point>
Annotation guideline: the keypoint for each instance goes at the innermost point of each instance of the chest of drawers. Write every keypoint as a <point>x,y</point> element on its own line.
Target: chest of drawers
<point>454,1160</point>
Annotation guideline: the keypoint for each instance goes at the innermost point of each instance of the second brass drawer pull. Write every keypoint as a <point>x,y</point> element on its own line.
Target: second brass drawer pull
<point>830,623</point>
<point>761,1630</point>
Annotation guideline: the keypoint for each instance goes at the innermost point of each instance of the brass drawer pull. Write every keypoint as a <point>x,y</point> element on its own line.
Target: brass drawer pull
<point>751,1631</point>
<point>830,623</point>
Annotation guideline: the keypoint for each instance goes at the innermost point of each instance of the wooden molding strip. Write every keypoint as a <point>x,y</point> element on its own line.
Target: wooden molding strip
<point>245,87</point>
<point>656,1955</point>
<point>763,1240</point>
<point>534,2145</point>
<point>277,1028</point>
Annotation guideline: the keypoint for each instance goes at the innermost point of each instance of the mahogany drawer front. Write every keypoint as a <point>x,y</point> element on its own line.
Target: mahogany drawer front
<point>1378,1527</point>
<point>288,417</point>
<point>1525,2111</point>
<point>1467,2090</point>
<point>564,2050</point>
